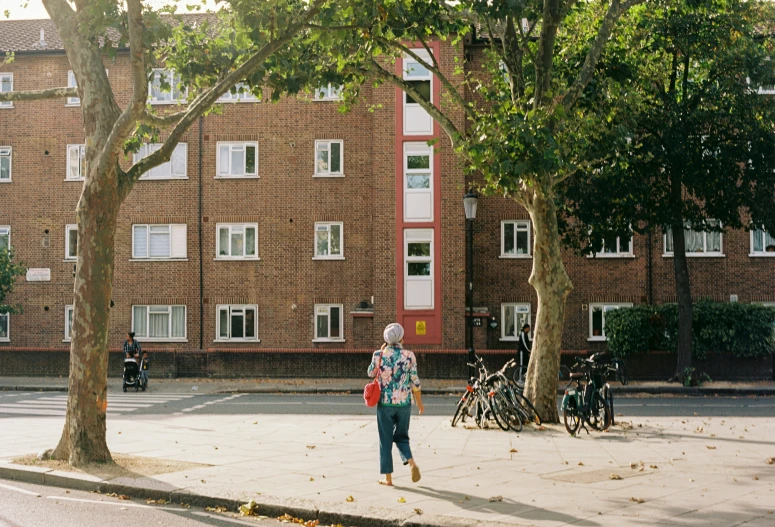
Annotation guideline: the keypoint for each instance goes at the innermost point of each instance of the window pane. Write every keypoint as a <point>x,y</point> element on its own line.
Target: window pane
<point>322,158</point>
<point>73,169</point>
<point>69,322</point>
<point>250,160</point>
<point>322,242</point>
<point>140,241</point>
<point>72,243</point>
<point>223,241</point>
<point>508,239</point>
<point>415,69</point>
<point>237,161</point>
<point>509,325</point>
<point>3,240</point>
<point>5,84</point>
<point>597,321</point>
<point>223,322</point>
<point>418,181</point>
<point>419,249</point>
<point>336,239</point>
<point>158,325</point>
<point>714,242</point>
<point>5,167</point>
<point>178,321</point>
<point>237,325</point>
<point>669,241</point>
<point>419,269</point>
<point>3,326</point>
<point>522,245</point>
<point>624,245</point>
<point>695,241</point>
<point>418,162</point>
<point>335,333</point>
<point>178,161</point>
<point>250,241</point>
<point>769,242</point>
<point>250,323</point>
<point>139,321</point>
<point>322,326</point>
<point>609,244</point>
<point>758,240</point>
<point>223,160</point>
<point>237,242</point>
<point>336,158</point>
<point>424,87</point>
<point>160,242</point>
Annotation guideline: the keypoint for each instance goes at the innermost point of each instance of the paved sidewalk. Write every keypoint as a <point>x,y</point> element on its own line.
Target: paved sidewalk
<point>430,386</point>
<point>668,471</point>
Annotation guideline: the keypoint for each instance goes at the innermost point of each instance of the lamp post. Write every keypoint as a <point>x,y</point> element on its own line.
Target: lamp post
<point>469,204</point>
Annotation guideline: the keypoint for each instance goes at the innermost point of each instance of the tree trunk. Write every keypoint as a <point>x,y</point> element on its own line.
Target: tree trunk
<point>552,285</point>
<point>684,295</point>
<point>84,435</point>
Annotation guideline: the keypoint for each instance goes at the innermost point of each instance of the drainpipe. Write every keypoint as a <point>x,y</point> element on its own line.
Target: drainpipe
<point>199,225</point>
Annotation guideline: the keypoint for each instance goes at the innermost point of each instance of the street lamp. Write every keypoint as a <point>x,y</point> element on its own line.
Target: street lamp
<point>469,204</point>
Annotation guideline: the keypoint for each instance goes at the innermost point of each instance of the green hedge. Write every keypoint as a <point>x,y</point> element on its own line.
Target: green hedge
<point>743,330</point>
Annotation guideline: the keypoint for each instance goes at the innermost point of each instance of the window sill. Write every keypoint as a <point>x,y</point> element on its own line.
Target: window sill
<point>762,255</point>
<point>611,256</point>
<point>158,259</point>
<point>70,260</point>
<point>4,107</point>
<point>77,180</point>
<point>66,340</point>
<point>162,178</point>
<point>5,180</point>
<point>5,340</point>
<point>509,339</point>
<point>597,339</point>
<point>238,340</point>
<point>166,103</point>
<point>237,101</point>
<point>328,257</point>
<point>698,255</point>
<point>72,105</point>
<point>230,259</point>
<point>516,256</point>
<point>236,177</point>
<point>147,339</point>
<point>326,176</point>
<point>327,100</point>
<point>318,341</point>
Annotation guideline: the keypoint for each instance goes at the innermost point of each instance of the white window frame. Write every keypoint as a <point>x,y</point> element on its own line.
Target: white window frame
<point>419,236</point>
<point>243,94</point>
<point>81,159</point>
<point>6,230</point>
<point>409,76</point>
<point>171,80</point>
<point>519,226</point>
<point>230,308</point>
<point>169,307</point>
<point>6,104</point>
<point>72,83</point>
<point>328,225</point>
<point>7,338</point>
<point>519,308</point>
<point>763,253</point>
<point>231,227</point>
<point>68,229</point>
<point>69,312</point>
<point>7,151</point>
<point>329,173</point>
<point>174,229</point>
<point>412,149</point>
<point>606,306</point>
<point>330,92</point>
<point>618,253</point>
<point>704,254</point>
<point>147,149</point>
<point>327,307</point>
<point>234,146</point>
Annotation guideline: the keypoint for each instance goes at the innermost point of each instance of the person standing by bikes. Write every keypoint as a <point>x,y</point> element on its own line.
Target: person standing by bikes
<point>524,346</point>
<point>132,347</point>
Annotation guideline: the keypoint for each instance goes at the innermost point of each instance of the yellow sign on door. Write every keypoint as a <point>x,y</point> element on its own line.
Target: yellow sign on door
<point>419,327</point>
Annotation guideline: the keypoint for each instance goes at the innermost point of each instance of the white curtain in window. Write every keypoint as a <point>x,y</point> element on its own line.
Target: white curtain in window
<point>223,322</point>
<point>714,242</point>
<point>250,241</point>
<point>694,241</point>
<point>178,321</point>
<point>178,160</point>
<point>223,241</point>
<point>160,241</point>
<point>139,321</point>
<point>140,241</point>
<point>509,329</point>
<point>159,323</point>
<point>3,326</point>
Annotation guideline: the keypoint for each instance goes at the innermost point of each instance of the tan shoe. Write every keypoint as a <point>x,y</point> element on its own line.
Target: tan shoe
<point>415,474</point>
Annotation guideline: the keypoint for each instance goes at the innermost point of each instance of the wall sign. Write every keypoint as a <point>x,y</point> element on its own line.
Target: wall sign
<point>39,275</point>
<point>419,327</point>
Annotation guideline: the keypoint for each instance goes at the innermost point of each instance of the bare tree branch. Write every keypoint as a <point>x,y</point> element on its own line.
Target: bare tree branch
<point>545,55</point>
<point>615,10</point>
<point>53,93</point>
<point>161,121</point>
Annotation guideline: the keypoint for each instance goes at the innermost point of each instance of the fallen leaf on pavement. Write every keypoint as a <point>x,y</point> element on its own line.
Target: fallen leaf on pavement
<point>349,499</point>
<point>513,451</point>
<point>248,509</point>
<point>310,446</point>
<point>710,447</point>
<point>581,464</point>
<point>312,479</point>
<point>637,500</point>
<point>541,428</point>
<point>756,478</point>
<point>203,481</point>
<point>496,498</point>
<point>614,476</point>
<point>770,460</point>
<point>160,501</point>
<point>219,508</point>
<point>401,500</point>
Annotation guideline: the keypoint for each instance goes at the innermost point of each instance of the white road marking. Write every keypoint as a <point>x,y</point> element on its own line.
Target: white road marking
<point>217,401</point>
<point>122,503</point>
<point>17,489</point>
<point>223,518</point>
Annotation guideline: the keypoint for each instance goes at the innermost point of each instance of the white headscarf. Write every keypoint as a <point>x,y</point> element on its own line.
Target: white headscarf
<point>393,333</point>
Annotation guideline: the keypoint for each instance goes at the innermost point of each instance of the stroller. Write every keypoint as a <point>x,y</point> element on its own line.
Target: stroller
<point>131,375</point>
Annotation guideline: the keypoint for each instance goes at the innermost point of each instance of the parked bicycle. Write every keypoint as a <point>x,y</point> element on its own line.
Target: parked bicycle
<point>585,403</point>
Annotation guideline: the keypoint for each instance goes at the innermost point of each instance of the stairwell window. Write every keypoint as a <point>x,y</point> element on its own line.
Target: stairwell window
<point>762,243</point>
<point>328,323</point>
<point>71,242</point>
<point>175,168</point>
<point>328,158</point>
<point>515,239</point>
<point>71,83</point>
<point>5,324</point>
<point>159,323</point>
<point>159,242</point>
<point>5,237</point>
<point>5,164</point>
<point>237,160</point>
<point>164,88</point>
<point>237,241</point>
<point>597,319</point>
<point>237,323</point>
<point>698,243</point>
<point>6,86</point>
<point>328,241</point>
<point>69,310</point>
<point>76,155</point>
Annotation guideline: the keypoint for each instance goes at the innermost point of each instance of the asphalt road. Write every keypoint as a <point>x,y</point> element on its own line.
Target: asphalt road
<point>52,404</point>
<point>27,505</point>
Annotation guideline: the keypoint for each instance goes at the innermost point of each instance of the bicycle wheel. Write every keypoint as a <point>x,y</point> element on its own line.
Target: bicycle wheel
<point>518,376</point>
<point>463,405</point>
<point>621,372</point>
<point>509,410</point>
<point>498,410</point>
<point>570,415</point>
<point>531,415</point>
<point>599,413</point>
<point>609,398</point>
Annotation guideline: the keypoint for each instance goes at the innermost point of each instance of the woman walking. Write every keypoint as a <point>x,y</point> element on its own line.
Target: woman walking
<point>397,371</point>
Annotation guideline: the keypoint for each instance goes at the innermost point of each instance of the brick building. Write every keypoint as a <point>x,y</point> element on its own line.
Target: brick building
<point>278,231</point>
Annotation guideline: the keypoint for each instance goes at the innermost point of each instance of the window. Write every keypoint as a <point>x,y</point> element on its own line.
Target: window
<point>6,86</point>
<point>71,242</point>
<point>328,323</point>
<point>75,162</point>
<point>164,88</point>
<point>5,237</point>
<point>159,323</point>
<point>330,92</point>
<point>698,243</point>
<point>597,319</point>
<point>418,182</point>
<point>236,160</point>
<point>416,120</point>
<point>175,168</point>
<point>328,241</point>
<point>418,269</point>
<point>328,158</point>
<point>5,323</point>
<point>614,246</point>
<point>237,323</point>
<point>237,241</point>
<point>71,83</point>
<point>159,241</point>
<point>5,164</point>
<point>513,317</point>
<point>68,323</point>
<point>762,243</point>
<point>240,92</point>
<point>515,239</point>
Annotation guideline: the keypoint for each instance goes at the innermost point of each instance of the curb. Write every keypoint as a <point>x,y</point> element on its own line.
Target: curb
<point>33,388</point>
<point>328,513</point>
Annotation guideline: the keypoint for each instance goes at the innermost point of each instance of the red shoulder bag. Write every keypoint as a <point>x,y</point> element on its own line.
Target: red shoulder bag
<point>373,390</point>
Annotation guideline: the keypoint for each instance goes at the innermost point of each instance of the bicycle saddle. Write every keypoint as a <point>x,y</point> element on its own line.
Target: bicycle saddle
<point>576,375</point>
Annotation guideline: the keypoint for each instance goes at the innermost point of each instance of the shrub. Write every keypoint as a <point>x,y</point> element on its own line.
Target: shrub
<point>743,330</point>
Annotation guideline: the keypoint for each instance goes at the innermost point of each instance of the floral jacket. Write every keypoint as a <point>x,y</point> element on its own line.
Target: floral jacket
<point>397,375</point>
